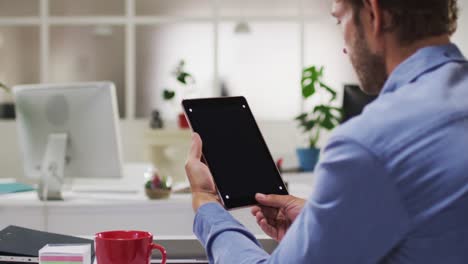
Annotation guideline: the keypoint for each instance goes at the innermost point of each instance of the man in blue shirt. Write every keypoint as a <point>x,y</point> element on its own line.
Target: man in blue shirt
<point>392,184</point>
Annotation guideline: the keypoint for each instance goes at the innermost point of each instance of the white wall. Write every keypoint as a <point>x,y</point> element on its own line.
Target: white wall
<point>19,56</point>
<point>461,36</point>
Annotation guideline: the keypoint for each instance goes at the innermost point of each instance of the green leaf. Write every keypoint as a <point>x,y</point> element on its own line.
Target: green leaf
<point>329,90</point>
<point>320,72</point>
<point>148,184</point>
<point>319,109</point>
<point>338,109</point>
<point>301,117</point>
<point>309,125</point>
<point>308,90</point>
<point>327,123</point>
<point>327,117</point>
<point>322,116</point>
<point>168,94</point>
<point>183,77</point>
<point>3,86</point>
<point>308,71</point>
<point>309,80</point>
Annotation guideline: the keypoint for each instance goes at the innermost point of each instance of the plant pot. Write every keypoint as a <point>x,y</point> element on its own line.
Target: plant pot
<point>157,193</point>
<point>182,121</point>
<point>308,158</point>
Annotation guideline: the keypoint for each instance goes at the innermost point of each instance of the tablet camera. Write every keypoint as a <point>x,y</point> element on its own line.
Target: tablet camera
<point>243,106</point>
<point>190,110</point>
<point>281,187</point>
<point>227,197</point>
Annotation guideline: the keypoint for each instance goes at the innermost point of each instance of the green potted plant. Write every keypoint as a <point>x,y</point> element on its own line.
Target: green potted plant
<point>187,81</point>
<point>323,116</point>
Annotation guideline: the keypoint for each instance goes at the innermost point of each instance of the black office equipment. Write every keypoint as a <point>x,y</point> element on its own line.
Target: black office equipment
<point>7,111</point>
<point>234,149</point>
<point>23,242</point>
<point>354,101</point>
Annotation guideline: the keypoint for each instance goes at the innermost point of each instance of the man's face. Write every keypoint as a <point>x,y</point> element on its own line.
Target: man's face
<point>369,66</point>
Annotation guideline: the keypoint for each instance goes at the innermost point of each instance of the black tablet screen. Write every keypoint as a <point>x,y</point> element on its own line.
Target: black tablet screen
<point>234,149</point>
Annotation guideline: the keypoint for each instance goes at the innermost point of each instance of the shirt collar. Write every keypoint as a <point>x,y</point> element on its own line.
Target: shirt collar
<point>420,63</point>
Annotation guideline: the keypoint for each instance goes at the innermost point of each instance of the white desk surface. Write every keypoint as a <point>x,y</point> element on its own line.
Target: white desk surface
<point>89,213</point>
<point>74,199</point>
<point>300,185</point>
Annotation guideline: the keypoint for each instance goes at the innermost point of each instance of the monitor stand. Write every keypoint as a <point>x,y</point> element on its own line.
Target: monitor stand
<point>52,168</point>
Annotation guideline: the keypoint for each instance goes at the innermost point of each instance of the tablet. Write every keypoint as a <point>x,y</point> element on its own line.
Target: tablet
<point>234,150</point>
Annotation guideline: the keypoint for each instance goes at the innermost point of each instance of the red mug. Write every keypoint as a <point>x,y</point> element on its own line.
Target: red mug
<point>126,247</point>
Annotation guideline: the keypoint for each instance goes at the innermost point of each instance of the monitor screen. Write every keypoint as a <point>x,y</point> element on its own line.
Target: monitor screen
<point>354,101</point>
<point>85,113</point>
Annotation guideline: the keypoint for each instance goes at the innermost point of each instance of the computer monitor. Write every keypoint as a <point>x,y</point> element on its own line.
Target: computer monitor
<point>68,131</point>
<point>354,101</point>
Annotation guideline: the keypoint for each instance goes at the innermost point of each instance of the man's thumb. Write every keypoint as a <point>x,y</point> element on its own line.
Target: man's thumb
<point>272,200</point>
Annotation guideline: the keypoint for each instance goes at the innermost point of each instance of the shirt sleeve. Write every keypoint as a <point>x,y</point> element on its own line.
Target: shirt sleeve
<point>354,216</point>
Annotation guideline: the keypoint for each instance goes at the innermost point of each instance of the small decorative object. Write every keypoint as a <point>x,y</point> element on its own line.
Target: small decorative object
<point>7,108</point>
<point>187,81</point>
<point>324,116</point>
<point>156,120</point>
<point>182,121</point>
<point>279,164</point>
<point>158,187</point>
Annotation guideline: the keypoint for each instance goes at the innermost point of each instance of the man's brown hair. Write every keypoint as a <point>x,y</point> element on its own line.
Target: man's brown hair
<point>414,20</point>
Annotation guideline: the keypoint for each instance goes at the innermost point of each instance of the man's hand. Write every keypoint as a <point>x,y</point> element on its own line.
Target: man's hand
<point>201,181</point>
<point>276,213</point>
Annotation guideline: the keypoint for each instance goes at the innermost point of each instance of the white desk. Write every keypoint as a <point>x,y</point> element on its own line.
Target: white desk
<point>84,214</point>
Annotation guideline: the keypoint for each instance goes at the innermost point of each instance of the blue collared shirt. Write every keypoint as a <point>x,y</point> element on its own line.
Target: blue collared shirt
<point>392,183</point>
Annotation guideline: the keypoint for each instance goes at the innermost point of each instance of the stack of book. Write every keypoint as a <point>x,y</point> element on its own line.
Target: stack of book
<point>65,254</point>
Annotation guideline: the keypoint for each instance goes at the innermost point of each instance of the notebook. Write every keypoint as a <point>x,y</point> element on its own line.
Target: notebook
<point>14,187</point>
<point>22,245</point>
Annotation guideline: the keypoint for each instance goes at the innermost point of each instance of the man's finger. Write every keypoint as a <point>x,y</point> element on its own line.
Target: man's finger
<point>270,212</point>
<point>196,148</point>
<point>268,229</point>
<point>273,200</point>
<point>259,216</point>
<point>255,209</point>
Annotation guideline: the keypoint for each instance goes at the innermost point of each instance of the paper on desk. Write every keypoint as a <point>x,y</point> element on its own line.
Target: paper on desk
<point>14,187</point>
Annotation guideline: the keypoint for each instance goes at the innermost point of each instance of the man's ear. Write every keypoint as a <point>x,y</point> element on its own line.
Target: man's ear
<point>376,16</point>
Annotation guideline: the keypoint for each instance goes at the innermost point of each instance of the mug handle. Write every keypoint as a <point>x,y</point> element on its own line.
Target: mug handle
<point>162,249</point>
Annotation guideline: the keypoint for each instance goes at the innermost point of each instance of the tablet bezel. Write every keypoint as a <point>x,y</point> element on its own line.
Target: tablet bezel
<point>243,201</point>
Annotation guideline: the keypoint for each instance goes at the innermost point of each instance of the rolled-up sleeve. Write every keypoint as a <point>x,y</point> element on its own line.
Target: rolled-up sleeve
<point>353,216</point>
